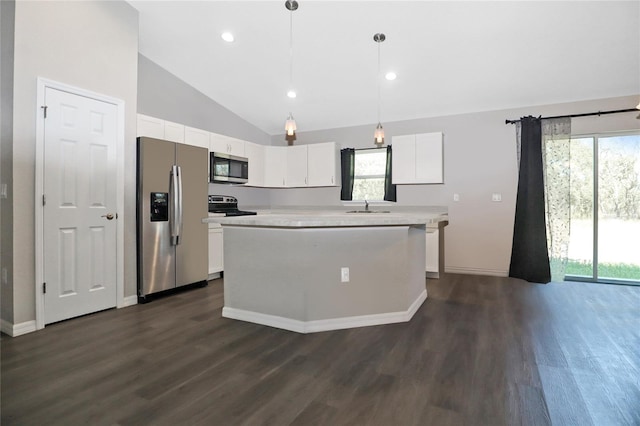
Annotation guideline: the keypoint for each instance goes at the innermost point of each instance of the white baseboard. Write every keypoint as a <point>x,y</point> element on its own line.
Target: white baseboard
<point>328,324</point>
<point>130,301</point>
<point>15,330</point>
<point>476,271</point>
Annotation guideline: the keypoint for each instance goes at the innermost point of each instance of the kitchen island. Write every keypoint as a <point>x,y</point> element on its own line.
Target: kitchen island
<point>309,271</point>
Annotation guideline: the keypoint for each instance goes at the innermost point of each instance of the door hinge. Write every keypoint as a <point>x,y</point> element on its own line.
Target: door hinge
<point>44,200</point>
<point>44,108</point>
<point>44,288</point>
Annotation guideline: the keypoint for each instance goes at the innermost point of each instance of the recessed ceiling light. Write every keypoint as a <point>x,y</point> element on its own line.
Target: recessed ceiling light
<point>291,93</point>
<point>228,37</point>
<point>390,75</point>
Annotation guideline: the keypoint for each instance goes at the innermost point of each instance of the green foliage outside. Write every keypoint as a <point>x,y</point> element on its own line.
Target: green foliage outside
<point>618,183</point>
<point>621,271</point>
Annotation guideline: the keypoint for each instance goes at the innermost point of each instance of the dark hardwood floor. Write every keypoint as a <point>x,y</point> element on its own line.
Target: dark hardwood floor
<point>480,351</point>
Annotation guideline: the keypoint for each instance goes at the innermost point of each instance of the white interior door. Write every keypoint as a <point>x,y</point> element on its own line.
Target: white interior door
<point>79,240</point>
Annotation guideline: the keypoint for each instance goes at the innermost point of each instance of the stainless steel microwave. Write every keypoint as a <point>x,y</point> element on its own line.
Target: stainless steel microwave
<point>225,168</point>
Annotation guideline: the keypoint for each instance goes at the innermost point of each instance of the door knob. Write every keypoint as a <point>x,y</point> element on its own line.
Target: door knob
<point>109,216</point>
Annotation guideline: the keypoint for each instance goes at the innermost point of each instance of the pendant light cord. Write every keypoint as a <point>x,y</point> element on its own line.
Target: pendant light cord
<point>378,78</point>
<point>291,50</point>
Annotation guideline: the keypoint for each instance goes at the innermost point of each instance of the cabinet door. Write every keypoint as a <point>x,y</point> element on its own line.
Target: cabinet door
<point>322,164</point>
<point>236,147</point>
<point>218,143</point>
<point>255,155</point>
<point>275,166</point>
<point>432,251</point>
<point>403,162</point>
<point>216,257</point>
<point>429,159</point>
<point>296,166</point>
<point>196,137</point>
<point>150,126</point>
<point>173,132</point>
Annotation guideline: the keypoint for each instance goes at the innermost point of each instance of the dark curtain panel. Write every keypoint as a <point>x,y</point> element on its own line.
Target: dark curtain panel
<point>389,188</point>
<point>347,169</point>
<point>529,254</point>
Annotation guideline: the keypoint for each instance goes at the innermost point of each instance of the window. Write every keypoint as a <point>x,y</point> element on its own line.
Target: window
<point>605,209</point>
<point>368,178</point>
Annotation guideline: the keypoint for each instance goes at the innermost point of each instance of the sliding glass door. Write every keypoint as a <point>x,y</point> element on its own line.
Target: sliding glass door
<point>605,209</point>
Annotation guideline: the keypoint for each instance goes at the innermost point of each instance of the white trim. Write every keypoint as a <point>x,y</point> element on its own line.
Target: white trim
<point>42,85</point>
<point>476,271</point>
<point>17,329</point>
<point>328,324</point>
<point>129,301</point>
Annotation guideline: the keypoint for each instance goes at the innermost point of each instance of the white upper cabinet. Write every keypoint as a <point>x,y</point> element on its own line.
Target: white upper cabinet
<point>196,137</point>
<point>173,132</point>
<point>226,145</point>
<point>429,158</point>
<point>275,166</point>
<point>160,129</point>
<point>418,158</point>
<point>255,154</point>
<point>150,126</point>
<point>322,164</point>
<point>296,166</point>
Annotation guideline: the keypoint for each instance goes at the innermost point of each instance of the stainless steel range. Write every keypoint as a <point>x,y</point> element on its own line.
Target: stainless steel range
<point>226,204</point>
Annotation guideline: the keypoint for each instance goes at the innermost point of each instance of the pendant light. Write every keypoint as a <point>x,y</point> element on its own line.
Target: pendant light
<point>290,124</point>
<point>378,135</point>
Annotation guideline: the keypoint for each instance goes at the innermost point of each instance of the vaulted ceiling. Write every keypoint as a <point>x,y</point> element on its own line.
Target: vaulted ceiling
<point>450,57</point>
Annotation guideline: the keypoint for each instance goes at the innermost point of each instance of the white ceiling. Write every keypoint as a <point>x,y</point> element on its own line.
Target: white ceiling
<point>451,57</point>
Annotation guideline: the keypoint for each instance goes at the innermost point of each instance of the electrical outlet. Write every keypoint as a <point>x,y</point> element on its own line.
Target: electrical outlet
<point>456,197</point>
<point>344,275</point>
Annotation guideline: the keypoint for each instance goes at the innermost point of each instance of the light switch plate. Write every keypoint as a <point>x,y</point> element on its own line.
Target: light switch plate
<point>456,197</point>
<point>3,190</point>
<point>496,197</point>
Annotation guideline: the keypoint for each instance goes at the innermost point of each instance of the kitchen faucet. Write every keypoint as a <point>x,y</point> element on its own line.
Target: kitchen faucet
<point>366,205</point>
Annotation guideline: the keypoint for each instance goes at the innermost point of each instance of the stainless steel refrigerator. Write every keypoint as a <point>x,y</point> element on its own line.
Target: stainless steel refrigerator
<point>171,202</point>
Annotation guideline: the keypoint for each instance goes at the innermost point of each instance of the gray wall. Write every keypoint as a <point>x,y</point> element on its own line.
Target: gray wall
<point>7,13</point>
<point>480,159</point>
<point>92,45</point>
<point>163,95</point>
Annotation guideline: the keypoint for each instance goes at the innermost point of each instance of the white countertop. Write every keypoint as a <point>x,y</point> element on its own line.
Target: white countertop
<point>333,218</point>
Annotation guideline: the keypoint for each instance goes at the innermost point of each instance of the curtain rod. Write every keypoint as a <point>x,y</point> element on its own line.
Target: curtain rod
<point>617,111</point>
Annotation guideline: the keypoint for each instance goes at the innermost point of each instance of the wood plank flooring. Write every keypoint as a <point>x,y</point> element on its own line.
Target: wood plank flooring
<point>480,351</point>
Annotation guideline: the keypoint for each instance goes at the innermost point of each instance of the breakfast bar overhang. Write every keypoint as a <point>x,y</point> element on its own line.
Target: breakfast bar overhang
<point>288,270</point>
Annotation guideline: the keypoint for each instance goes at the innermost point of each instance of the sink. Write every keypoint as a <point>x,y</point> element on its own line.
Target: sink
<point>369,211</point>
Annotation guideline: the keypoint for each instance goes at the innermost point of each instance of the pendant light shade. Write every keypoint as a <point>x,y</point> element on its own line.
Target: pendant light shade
<point>378,135</point>
<point>290,124</point>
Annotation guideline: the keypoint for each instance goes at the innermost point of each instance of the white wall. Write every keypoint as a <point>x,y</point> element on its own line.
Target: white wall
<point>7,9</point>
<point>163,95</point>
<point>480,159</point>
<point>91,45</point>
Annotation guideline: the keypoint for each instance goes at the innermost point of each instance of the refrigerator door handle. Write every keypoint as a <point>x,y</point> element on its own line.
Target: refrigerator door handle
<point>179,209</point>
<point>173,216</point>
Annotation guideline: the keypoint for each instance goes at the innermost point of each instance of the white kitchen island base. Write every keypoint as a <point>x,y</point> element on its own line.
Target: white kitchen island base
<point>291,277</point>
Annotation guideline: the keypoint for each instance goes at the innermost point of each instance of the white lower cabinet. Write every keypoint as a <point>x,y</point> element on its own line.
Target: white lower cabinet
<point>216,257</point>
<point>432,247</point>
<point>435,249</point>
